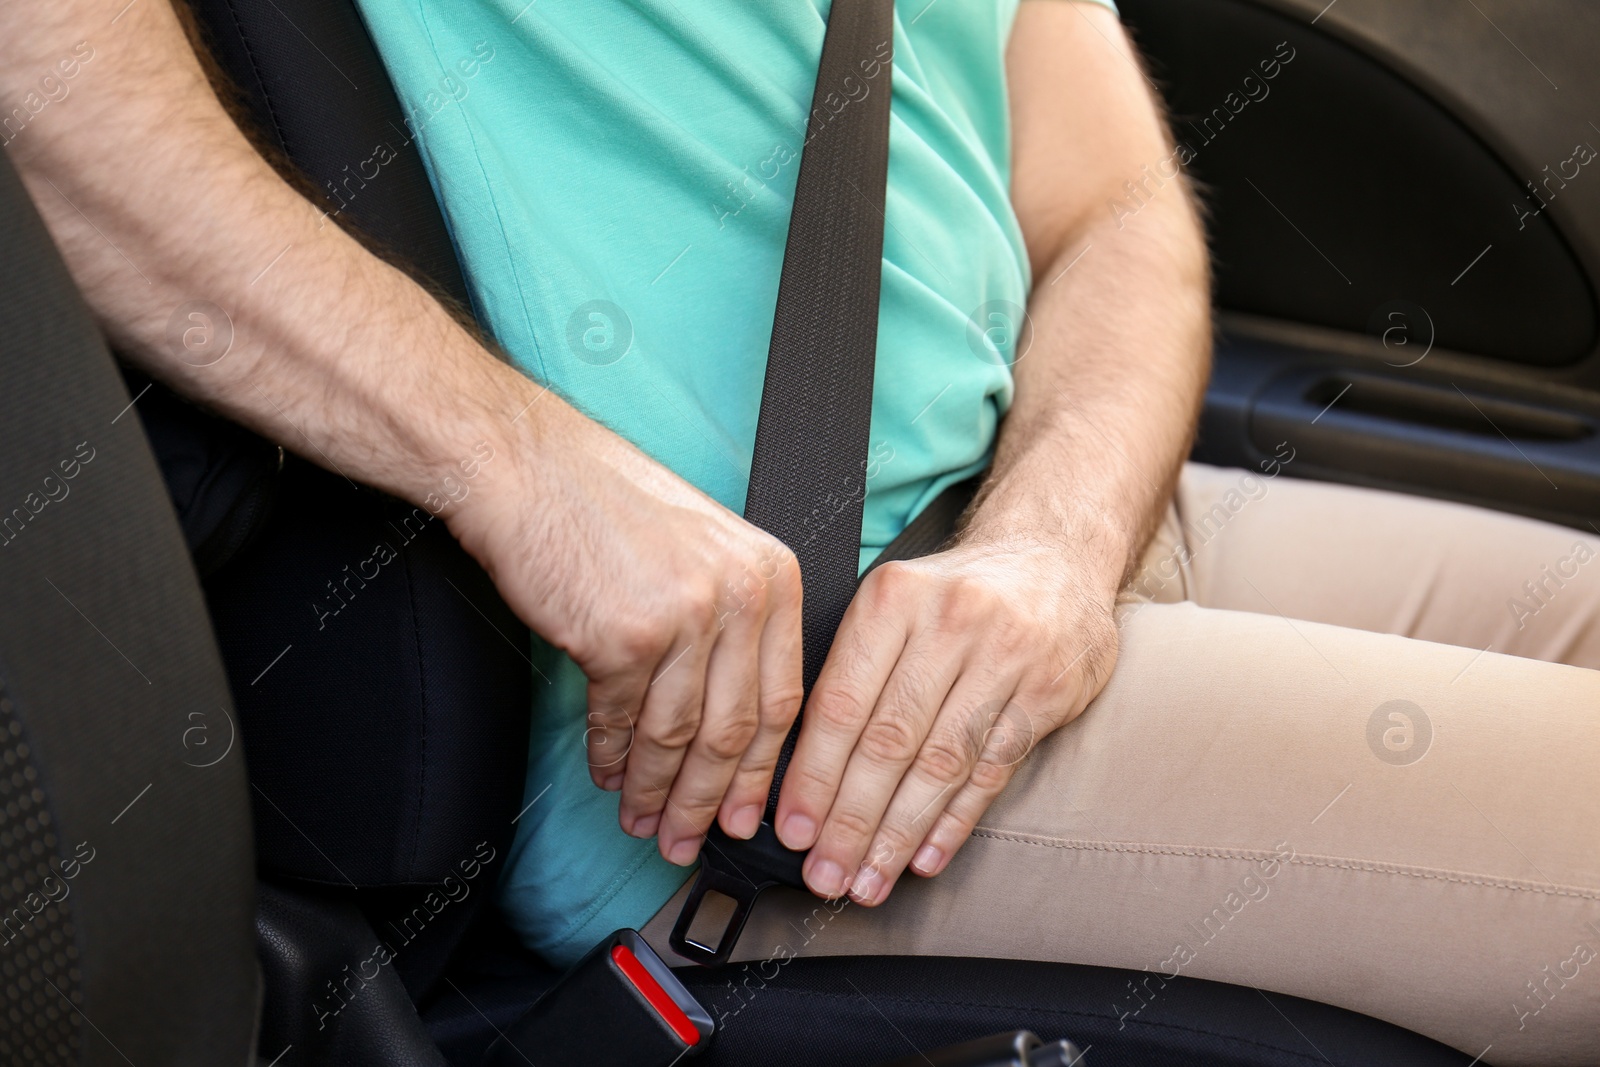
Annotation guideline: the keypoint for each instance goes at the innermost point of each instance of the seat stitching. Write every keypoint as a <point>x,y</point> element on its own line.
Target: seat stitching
<point>261,83</point>
<point>1342,863</point>
<point>422,698</point>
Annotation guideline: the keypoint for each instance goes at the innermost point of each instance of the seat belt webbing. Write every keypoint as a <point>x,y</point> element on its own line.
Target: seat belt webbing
<point>807,475</point>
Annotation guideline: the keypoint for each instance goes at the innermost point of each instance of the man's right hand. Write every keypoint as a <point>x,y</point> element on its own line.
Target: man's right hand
<point>684,617</point>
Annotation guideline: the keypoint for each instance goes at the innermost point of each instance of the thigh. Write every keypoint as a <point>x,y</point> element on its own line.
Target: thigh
<point>1389,563</point>
<point>1246,802</point>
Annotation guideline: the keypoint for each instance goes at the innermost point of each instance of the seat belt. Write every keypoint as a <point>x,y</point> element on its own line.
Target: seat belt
<point>808,473</point>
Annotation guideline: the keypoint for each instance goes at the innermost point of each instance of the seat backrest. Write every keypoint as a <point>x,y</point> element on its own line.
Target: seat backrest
<point>383,686</point>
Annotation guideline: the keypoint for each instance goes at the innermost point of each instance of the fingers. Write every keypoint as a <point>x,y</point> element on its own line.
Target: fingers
<point>662,598</point>
<point>925,834</point>
<point>613,711</point>
<point>667,724</point>
<point>897,746</point>
<point>778,703</point>
<point>942,766</point>
<point>955,823</point>
<point>713,718</point>
<point>863,656</point>
<point>727,725</point>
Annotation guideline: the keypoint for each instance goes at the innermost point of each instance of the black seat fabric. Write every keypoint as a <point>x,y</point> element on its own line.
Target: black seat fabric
<point>378,714</point>
<point>861,1011</point>
<point>221,477</point>
<point>865,1011</point>
<point>126,901</point>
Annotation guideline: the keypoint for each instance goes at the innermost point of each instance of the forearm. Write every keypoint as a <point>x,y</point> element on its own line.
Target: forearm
<point>157,200</point>
<point>1107,397</point>
<point>1107,394</point>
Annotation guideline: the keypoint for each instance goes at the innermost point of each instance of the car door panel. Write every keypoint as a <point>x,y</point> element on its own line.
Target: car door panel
<point>1406,232</point>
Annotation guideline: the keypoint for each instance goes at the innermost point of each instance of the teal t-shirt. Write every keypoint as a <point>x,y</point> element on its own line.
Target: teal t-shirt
<point>617,178</point>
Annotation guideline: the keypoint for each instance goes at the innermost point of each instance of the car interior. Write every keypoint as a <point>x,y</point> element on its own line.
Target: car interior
<point>1406,250</point>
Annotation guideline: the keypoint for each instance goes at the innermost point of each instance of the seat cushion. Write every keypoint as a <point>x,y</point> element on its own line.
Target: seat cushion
<point>860,1011</point>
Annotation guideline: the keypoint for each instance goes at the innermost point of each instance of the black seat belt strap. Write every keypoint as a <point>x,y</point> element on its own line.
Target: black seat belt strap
<point>808,472</point>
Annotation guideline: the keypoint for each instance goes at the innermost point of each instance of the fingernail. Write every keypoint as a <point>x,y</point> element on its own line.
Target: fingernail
<point>868,886</point>
<point>927,860</point>
<point>646,825</point>
<point>827,878</point>
<point>799,832</point>
<point>684,852</point>
<point>744,822</point>
<point>612,784</point>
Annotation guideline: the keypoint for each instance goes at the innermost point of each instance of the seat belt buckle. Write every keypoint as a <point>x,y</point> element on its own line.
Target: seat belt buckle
<point>740,871</point>
<point>619,1006</point>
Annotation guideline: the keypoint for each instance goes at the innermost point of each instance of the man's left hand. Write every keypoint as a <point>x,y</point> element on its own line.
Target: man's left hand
<point>945,672</point>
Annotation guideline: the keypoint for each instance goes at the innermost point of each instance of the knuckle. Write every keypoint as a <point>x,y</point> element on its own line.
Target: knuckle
<point>676,730</point>
<point>991,777</point>
<point>780,563</point>
<point>780,704</point>
<point>810,782</point>
<point>967,604</point>
<point>643,795</point>
<point>752,596</point>
<point>697,605</point>
<point>754,771</point>
<point>852,824</point>
<point>894,839</point>
<point>889,738</point>
<point>837,708</point>
<point>1009,737</point>
<point>728,739</point>
<point>946,757</point>
<point>694,801</point>
<point>684,817</point>
<point>775,570</point>
<point>1013,633</point>
<point>604,715</point>
<point>607,741</point>
<point>640,638</point>
<point>892,582</point>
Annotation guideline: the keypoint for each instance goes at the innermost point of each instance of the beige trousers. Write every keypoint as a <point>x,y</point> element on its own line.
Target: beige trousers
<point>1329,763</point>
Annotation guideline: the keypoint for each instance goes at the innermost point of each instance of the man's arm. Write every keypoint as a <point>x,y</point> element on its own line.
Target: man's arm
<point>156,199</point>
<point>948,669</point>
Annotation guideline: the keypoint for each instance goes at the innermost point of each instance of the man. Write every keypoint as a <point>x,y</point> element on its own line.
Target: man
<point>1241,802</point>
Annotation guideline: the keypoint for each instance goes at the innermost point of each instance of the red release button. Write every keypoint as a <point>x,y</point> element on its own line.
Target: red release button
<point>645,983</point>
